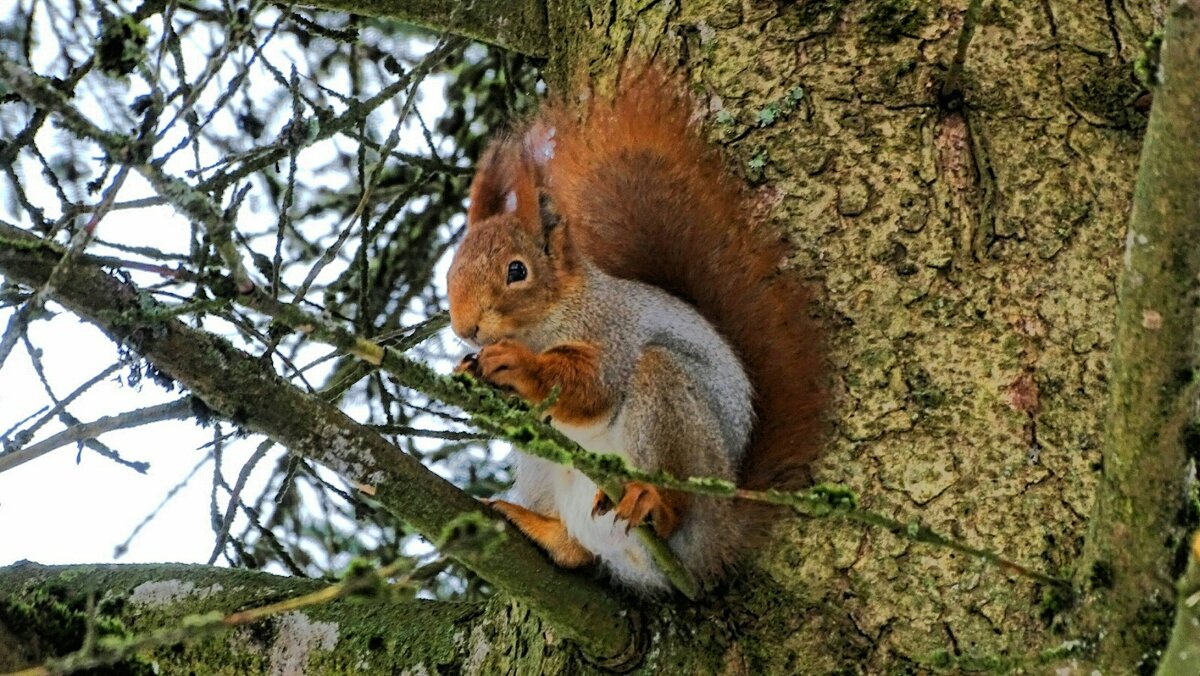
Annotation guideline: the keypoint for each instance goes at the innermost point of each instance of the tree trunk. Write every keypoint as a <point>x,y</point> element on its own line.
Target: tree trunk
<point>968,236</point>
<point>965,220</point>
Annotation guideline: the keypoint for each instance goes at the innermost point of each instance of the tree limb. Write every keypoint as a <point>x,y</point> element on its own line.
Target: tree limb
<point>180,408</point>
<point>168,609</point>
<point>1153,381</point>
<point>243,389</point>
<point>517,25</point>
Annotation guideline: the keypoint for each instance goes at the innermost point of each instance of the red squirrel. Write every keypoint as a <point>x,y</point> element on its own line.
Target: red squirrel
<point>608,255</point>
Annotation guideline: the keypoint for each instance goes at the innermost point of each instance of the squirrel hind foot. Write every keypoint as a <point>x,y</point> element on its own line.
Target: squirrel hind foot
<point>548,532</point>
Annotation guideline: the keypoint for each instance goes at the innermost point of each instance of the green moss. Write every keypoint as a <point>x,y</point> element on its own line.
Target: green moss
<point>31,244</point>
<point>122,45</point>
<point>362,579</point>
<point>472,535</point>
<point>834,497</point>
<point>1146,65</point>
<point>890,20</point>
<point>57,622</point>
<point>713,485</point>
<point>940,659</point>
<point>1054,600</point>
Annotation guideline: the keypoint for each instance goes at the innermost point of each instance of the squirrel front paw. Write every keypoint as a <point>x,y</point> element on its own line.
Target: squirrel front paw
<point>511,365</point>
<point>642,503</point>
<point>469,364</point>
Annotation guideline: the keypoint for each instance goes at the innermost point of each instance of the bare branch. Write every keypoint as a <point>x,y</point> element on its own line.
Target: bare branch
<point>175,410</point>
<point>244,389</point>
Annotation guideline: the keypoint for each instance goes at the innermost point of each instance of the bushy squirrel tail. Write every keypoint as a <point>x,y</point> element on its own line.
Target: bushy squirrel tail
<point>649,201</point>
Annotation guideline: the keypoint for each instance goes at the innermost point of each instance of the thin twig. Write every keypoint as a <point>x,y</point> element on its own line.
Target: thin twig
<point>180,408</point>
<point>120,549</point>
<point>24,435</point>
<point>498,416</point>
<point>235,497</point>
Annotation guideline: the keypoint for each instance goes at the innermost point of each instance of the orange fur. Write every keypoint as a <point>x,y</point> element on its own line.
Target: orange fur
<point>649,201</point>
<point>548,532</point>
<point>640,500</point>
<point>573,367</point>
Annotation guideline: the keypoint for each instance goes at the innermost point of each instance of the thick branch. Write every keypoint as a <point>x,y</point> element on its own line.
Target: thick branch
<point>1153,383</point>
<point>518,25</point>
<point>244,390</point>
<point>43,614</point>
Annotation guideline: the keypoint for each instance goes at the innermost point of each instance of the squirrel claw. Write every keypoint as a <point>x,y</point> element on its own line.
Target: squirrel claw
<point>469,364</point>
<point>601,505</point>
<point>644,504</point>
<point>510,366</point>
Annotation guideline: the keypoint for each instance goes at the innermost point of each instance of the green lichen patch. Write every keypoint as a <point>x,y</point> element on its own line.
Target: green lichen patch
<point>757,165</point>
<point>780,109</point>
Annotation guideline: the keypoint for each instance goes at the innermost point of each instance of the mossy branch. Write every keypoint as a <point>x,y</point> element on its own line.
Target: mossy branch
<point>176,617</point>
<point>508,418</point>
<point>517,25</point>
<point>360,580</point>
<point>1154,391</point>
<point>242,388</point>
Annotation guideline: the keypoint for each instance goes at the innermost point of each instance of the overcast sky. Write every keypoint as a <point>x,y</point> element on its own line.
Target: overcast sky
<point>69,506</point>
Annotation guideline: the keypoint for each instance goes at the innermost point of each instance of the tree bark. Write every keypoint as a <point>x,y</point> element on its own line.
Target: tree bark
<point>1142,516</point>
<point>43,612</point>
<point>968,246</point>
<point>243,389</point>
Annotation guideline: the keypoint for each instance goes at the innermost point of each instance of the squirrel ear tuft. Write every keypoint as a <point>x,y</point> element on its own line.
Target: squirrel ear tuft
<point>556,236</point>
<point>493,182</point>
<point>506,182</point>
<point>522,200</point>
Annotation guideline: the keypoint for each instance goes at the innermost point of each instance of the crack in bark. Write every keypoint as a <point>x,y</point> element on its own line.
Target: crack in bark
<point>1112,27</point>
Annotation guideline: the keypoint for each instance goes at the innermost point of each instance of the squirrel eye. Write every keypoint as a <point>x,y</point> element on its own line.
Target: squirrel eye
<point>516,272</point>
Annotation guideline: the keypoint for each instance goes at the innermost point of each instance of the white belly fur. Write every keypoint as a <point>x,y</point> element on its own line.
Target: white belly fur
<point>622,553</point>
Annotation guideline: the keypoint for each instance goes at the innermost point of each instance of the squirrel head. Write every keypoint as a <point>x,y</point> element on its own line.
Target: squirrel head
<point>516,264</point>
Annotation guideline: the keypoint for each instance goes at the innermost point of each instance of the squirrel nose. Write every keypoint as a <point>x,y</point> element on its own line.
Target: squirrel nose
<point>464,327</point>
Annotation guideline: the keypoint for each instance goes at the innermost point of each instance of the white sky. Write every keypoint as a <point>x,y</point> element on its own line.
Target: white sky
<point>57,510</point>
